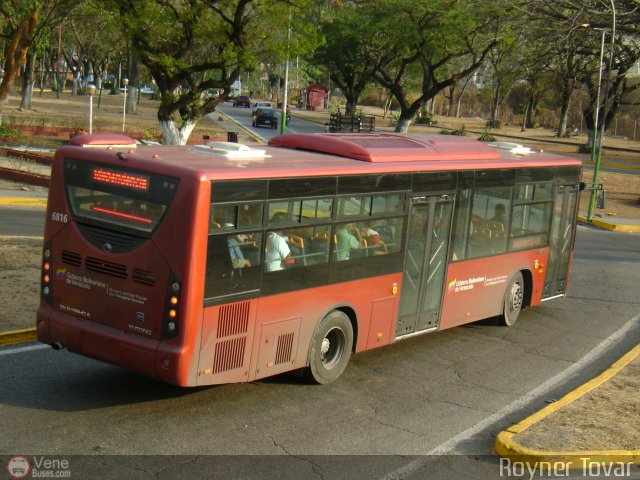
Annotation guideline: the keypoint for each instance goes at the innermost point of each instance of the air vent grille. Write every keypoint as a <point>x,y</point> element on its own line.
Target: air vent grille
<point>233,319</point>
<point>385,142</point>
<point>229,355</point>
<point>108,268</point>
<point>71,258</point>
<point>285,346</point>
<point>143,276</point>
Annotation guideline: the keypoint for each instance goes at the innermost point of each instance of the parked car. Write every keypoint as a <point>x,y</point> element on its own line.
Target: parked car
<point>242,101</point>
<point>265,116</point>
<point>147,90</point>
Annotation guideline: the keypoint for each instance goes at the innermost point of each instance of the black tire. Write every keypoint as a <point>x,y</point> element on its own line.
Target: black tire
<point>330,348</point>
<point>513,301</point>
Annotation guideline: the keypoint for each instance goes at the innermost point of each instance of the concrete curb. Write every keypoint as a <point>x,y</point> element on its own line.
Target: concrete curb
<point>14,337</point>
<point>614,227</point>
<point>23,201</point>
<point>508,447</point>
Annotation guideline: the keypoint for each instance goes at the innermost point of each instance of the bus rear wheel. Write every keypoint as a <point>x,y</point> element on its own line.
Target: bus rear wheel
<point>330,348</point>
<point>513,301</point>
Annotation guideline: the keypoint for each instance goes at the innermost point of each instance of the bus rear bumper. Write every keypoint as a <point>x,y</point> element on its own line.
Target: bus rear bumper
<point>98,341</point>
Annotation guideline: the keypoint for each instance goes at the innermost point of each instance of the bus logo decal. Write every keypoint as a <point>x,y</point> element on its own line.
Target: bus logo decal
<point>468,284</point>
<point>61,273</point>
<point>140,317</point>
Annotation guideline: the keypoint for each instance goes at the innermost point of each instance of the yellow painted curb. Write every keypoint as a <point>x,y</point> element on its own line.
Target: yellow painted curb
<point>506,445</point>
<point>24,201</point>
<point>14,337</point>
<point>610,226</point>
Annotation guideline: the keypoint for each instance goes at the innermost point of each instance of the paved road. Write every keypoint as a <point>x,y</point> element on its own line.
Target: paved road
<point>27,221</point>
<point>446,392</point>
<point>243,117</point>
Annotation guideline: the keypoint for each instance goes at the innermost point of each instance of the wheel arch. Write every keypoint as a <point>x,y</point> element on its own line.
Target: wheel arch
<point>350,312</point>
<point>527,277</point>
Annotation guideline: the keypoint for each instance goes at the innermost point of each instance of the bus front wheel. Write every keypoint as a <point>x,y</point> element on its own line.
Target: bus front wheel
<point>330,348</point>
<point>513,301</point>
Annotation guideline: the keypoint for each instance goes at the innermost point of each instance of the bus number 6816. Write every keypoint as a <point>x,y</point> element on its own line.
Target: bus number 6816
<point>59,217</point>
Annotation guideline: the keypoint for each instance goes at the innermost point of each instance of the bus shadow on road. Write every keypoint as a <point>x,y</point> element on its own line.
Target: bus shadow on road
<point>62,381</point>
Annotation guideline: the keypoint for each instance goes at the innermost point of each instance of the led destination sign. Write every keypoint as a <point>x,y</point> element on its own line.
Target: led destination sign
<point>120,179</point>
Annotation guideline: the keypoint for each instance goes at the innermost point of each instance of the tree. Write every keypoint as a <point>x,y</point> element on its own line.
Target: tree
<point>586,20</point>
<point>345,53</point>
<point>192,47</point>
<point>23,21</point>
<point>430,45</point>
<point>503,69</point>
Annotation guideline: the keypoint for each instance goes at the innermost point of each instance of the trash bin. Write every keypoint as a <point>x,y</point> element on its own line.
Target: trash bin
<point>232,137</point>
<point>601,197</point>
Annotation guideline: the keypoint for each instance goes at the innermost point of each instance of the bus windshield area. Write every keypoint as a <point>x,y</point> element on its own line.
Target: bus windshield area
<point>116,210</point>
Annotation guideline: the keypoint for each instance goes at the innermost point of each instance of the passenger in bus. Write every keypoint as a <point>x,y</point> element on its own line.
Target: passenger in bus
<point>276,252</point>
<point>347,239</point>
<point>499,214</point>
<point>237,257</point>
<point>372,236</point>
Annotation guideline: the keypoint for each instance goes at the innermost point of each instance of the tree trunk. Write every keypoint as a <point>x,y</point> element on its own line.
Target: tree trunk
<point>28,81</point>
<point>524,117</point>
<point>172,135</point>
<point>564,120</point>
<point>15,52</point>
<point>451,111</point>
<point>134,81</point>
<point>352,104</point>
<point>387,106</point>
<point>495,102</point>
<point>404,121</point>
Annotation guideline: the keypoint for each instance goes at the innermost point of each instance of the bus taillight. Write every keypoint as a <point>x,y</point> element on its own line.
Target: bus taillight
<point>171,323</point>
<point>45,276</point>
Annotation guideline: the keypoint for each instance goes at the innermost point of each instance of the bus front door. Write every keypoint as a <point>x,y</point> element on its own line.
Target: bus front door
<point>425,264</point>
<point>561,243</point>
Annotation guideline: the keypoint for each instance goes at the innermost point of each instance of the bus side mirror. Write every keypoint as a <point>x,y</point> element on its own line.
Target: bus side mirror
<point>582,186</point>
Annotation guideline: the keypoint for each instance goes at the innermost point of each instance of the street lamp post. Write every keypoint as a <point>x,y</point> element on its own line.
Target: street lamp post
<point>91,90</point>
<point>125,82</point>
<point>283,120</point>
<point>596,147</point>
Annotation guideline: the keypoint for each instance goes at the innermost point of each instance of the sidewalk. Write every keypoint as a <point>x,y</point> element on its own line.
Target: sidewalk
<point>557,434</point>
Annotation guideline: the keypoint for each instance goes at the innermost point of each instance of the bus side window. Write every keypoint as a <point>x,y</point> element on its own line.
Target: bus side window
<point>233,263</point>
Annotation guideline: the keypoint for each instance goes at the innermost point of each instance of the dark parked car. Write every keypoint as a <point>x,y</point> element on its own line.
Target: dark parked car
<point>242,101</point>
<point>265,116</point>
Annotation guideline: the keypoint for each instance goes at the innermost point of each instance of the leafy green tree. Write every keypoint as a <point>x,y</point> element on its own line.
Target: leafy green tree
<point>430,45</point>
<point>585,20</point>
<point>22,22</point>
<point>345,53</point>
<point>191,48</point>
<point>502,70</point>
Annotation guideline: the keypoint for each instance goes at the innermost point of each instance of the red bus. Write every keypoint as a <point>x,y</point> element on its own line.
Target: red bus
<point>223,263</point>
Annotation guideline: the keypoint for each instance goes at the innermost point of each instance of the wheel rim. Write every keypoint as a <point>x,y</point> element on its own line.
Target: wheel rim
<point>516,297</point>
<point>332,348</point>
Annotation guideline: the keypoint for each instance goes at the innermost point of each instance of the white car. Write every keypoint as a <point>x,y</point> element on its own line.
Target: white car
<point>262,105</point>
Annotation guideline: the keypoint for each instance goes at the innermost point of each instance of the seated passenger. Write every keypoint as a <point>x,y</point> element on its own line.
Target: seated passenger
<point>499,214</point>
<point>235,252</point>
<point>346,241</point>
<point>276,252</point>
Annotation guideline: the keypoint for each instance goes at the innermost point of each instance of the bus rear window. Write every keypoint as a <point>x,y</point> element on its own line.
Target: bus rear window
<point>120,199</point>
<point>114,209</point>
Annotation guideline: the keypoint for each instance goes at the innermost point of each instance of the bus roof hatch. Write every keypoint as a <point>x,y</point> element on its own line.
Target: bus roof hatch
<point>384,147</point>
